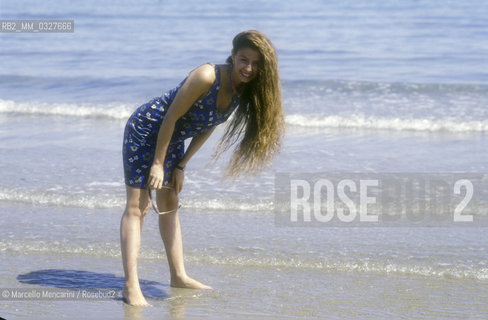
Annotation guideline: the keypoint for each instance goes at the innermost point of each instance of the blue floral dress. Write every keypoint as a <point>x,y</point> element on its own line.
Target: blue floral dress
<point>142,128</point>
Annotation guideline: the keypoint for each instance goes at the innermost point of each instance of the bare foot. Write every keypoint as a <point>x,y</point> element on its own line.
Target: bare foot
<point>189,283</point>
<point>134,297</point>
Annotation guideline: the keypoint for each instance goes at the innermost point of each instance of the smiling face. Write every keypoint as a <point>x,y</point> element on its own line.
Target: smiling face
<point>246,65</point>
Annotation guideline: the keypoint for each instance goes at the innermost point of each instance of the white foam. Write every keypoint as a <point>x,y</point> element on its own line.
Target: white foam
<point>104,184</point>
<point>54,197</point>
<point>378,123</point>
<point>350,265</point>
<point>123,111</point>
<point>108,110</point>
<point>63,198</point>
<point>227,205</point>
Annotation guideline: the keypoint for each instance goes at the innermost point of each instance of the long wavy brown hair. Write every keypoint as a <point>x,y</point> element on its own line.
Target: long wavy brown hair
<point>257,126</point>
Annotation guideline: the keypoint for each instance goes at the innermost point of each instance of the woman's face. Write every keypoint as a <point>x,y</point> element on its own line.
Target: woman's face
<point>246,64</point>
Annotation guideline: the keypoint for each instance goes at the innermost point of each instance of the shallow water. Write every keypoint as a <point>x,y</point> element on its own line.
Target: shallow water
<point>256,269</point>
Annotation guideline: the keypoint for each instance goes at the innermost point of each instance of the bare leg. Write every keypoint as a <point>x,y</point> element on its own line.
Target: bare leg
<point>169,227</point>
<point>130,240</point>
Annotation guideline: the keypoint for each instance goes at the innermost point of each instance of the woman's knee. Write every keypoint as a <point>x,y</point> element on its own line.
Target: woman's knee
<point>135,211</point>
<point>167,199</point>
<point>137,202</point>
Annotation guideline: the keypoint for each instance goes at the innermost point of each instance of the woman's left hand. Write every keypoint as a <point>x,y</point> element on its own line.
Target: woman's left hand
<point>178,177</point>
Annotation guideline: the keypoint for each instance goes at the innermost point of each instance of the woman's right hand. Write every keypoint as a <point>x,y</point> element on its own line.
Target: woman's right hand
<point>156,177</point>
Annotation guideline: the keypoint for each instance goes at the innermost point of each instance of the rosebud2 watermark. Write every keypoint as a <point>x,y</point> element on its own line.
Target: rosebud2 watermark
<point>382,199</point>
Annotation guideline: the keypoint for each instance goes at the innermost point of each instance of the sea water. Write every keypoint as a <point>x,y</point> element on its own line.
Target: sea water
<point>368,87</point>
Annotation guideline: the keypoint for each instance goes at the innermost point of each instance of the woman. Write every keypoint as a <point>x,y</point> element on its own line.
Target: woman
<point>154,155</point>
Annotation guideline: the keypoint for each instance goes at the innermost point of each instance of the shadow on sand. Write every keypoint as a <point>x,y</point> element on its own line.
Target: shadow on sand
<point>79,279</point>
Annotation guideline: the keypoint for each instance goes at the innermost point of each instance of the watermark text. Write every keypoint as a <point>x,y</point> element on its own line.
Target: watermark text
<point>57,294</point>
<point>386,199</point>
<point>37,26</point>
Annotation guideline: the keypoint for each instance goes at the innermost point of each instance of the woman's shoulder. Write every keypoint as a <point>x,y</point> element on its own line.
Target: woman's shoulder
<point>204,73</point>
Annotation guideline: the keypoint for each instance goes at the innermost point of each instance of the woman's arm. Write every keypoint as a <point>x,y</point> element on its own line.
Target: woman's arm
<point>195,144</point>
<point>196,86</point>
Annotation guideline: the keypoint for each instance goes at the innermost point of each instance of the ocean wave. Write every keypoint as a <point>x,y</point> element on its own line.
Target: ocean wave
<point>97,199</point>
<point>51,198</point>
<point>392,124</point>
<point>106,110</point>
<point>56,197</point>
<point>355,86</point>
<point>350,265</point>
<point>356,122</point>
